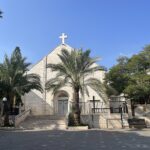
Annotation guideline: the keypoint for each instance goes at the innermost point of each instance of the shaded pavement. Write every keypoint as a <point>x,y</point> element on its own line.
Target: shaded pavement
<point>75,140</point>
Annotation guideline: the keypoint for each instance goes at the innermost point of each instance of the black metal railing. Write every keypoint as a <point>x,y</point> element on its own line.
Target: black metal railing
<point>100,110</point>
<point>111,110</point>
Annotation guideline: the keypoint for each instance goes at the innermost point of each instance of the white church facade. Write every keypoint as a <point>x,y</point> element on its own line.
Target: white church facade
<point>47,103</point>
<point>94,110</point>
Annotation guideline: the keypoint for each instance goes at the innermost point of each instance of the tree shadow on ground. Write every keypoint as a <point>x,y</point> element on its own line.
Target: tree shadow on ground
<point>76,140</point>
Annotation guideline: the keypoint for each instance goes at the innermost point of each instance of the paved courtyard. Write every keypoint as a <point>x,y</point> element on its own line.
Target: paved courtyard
<point>75,140</point>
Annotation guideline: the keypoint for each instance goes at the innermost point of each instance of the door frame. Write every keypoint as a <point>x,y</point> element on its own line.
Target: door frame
<point>60,95</point>
<point>64,102</point>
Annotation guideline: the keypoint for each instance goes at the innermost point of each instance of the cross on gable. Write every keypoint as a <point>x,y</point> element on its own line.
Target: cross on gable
<point>63,37</point>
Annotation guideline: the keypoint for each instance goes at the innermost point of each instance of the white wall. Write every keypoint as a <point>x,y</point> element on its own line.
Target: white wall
<point>43,103</point>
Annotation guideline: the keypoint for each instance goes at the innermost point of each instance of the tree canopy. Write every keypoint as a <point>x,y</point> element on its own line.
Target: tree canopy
<point>74,71</point>
<point>131,75</point>
<point>1,14</point>
<point>14,79</point>
<point>117,77</point>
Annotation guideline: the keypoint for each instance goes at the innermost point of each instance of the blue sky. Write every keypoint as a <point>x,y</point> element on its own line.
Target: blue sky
<point>109,28</point>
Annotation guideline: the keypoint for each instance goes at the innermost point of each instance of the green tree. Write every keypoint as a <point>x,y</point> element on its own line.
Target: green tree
<point>117,77</point>
<point>110,90</point>
<point>14,79</point>
<point>138,89</point>
<point>130,76</point>
<point>139,63</point>
<point>1,14</point>
<point>74,70</point>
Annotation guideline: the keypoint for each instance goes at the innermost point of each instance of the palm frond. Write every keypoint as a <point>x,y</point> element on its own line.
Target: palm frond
<point>97,86</point>
<point>74,70</point>
<point>1,14</point>
<point>55,84</point>
<point>13,75</point>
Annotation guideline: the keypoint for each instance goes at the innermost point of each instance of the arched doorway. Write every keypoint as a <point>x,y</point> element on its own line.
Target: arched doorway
<point>61,103</point>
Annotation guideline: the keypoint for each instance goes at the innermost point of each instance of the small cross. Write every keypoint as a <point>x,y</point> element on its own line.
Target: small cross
<point>63,37</point>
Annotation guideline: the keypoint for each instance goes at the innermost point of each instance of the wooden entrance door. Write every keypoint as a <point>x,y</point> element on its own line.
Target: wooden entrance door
<point>62,107</point>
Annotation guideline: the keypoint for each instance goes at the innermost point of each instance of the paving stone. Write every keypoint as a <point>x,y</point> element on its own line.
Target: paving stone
<point>73,140</point>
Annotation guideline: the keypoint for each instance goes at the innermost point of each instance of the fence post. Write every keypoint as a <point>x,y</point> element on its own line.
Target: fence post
<point>121,115</point>
<point>94,104</point>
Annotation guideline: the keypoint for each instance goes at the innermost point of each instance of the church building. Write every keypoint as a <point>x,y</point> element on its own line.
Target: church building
<point>96,111</point>
<point>60,103</point>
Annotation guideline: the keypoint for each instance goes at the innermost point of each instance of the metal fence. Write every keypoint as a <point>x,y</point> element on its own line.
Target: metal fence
<point>89,107</point>
<point>84,107</point>
<point>99,107</point>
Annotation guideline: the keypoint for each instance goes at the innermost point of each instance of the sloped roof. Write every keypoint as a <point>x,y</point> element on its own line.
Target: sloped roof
<point>61,46</point>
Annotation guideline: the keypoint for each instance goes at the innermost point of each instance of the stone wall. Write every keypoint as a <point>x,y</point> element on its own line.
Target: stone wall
<point>102,120</point>
<point>143,112</point>
<point>21,117</point>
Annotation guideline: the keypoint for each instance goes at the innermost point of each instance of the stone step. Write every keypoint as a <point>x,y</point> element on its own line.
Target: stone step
<point>125,122</point>
<point>44,122</point>
<point>51,117</point>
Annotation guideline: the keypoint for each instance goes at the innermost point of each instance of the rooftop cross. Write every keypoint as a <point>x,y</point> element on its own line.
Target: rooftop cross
<point>63,37</point>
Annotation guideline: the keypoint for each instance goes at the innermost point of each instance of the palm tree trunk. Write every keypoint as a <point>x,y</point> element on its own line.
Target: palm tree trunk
<point>132,108</point>
<point>14,101</point>
<point>6,113</point>
<point>76,106</point>
<point>6,119</point>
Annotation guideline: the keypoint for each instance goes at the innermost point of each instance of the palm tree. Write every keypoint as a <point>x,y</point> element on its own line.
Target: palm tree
<point>14,79</point>
<point>74,70</point>
<point>1,14</point>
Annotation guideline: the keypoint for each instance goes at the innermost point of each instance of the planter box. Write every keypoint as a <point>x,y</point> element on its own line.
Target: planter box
<point>77,128</point>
